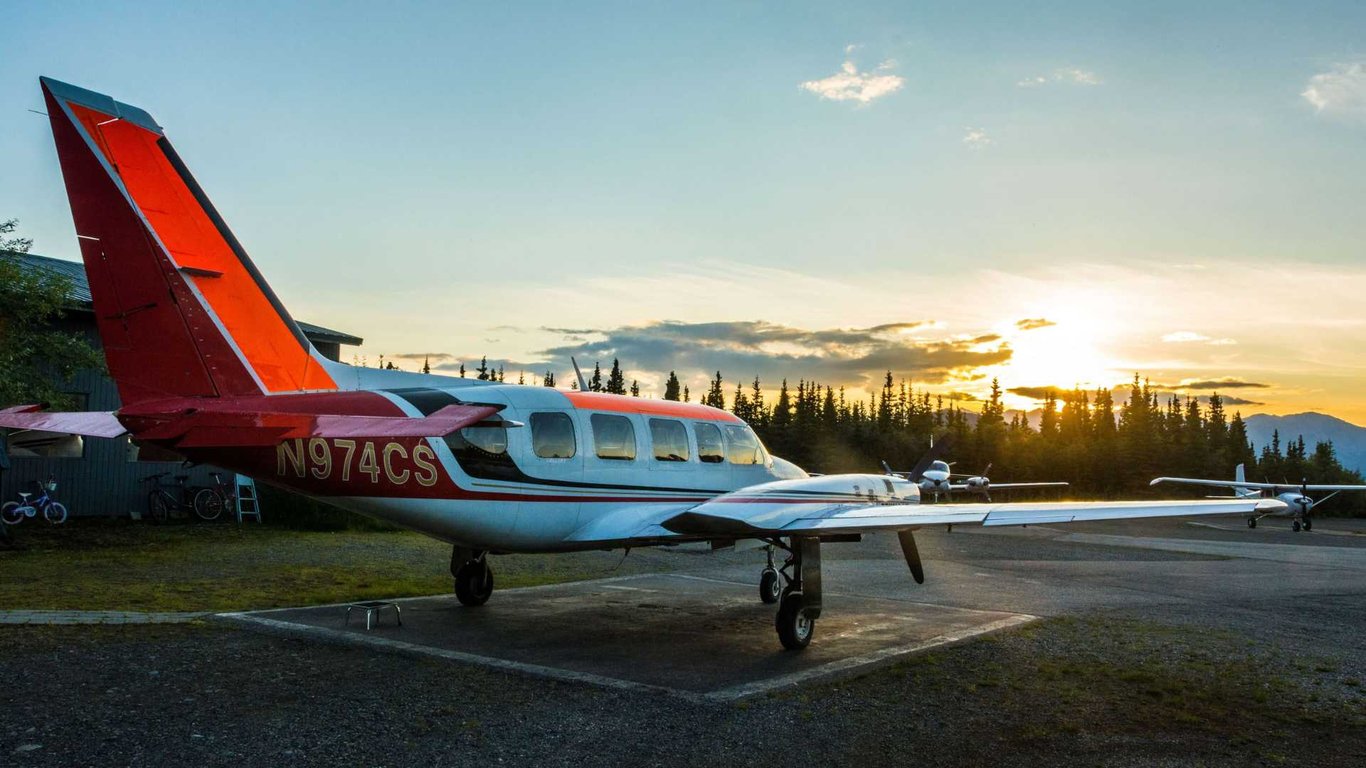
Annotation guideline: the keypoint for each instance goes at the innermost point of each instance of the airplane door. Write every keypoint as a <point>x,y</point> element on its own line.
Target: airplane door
<point>551,456</point>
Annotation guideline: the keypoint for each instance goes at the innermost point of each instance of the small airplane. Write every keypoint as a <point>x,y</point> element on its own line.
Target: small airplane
<point>210,365</point>
<point>1295,499</point>
<point>936,476</point>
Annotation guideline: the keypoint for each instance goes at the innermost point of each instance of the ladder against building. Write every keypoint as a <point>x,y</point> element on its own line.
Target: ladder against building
<point>247,503</point>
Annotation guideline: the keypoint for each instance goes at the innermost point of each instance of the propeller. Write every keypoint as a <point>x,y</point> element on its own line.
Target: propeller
<point>908,548</point>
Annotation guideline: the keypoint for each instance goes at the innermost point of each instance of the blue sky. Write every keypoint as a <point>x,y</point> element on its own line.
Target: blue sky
<point>457,178</point>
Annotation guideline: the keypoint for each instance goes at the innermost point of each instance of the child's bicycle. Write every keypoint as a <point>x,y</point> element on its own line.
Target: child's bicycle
<point>15,512</point>
<point>210,502</point>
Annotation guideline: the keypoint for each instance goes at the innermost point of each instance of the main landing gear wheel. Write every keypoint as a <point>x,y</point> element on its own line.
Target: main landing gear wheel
<point>1295,526</point>
<point>770,586</point>
<point>1308,524</point>
<point>1252,522</point>
<point>474,583</point>
<point>795,625</point>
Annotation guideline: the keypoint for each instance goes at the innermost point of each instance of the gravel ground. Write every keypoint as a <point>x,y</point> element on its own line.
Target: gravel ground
<point>1254,681</point>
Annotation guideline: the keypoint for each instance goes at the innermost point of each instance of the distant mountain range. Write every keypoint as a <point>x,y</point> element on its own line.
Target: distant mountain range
<point>1349,440</point>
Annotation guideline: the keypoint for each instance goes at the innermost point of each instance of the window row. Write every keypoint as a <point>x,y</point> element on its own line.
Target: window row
<point>614,439</point>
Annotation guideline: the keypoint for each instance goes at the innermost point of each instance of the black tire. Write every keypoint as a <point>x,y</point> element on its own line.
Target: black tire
<point>795,628</point>
<point>10,513</point>
<point>1295,526</point>
<point>55,513</point>
<point>1308,524</point>
<point>1252,522</point>
<point>158,510</point>
<point>474,583</point>
<point>770,586</point>
<point>209,504</point>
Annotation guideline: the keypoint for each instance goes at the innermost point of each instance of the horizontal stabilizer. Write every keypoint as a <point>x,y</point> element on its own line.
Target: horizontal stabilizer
<point>84,423</point>
<point>203,429</point>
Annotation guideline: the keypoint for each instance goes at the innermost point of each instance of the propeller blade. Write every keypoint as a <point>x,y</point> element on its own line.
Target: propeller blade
<point>887,467</point>
<point>908,548</point>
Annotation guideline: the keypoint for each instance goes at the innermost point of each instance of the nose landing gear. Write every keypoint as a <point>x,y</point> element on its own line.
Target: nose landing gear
<point>770,584</point>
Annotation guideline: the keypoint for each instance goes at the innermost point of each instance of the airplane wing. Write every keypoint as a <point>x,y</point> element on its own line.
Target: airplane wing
<point>963,487</point>
<point>84,423</point>
<point>796,507</point>
<point>244,428</point>
<point>1256,486</point>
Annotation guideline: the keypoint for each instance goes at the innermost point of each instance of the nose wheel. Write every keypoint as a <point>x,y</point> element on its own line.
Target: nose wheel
<point>770,584</point>
<point>1252,522</point>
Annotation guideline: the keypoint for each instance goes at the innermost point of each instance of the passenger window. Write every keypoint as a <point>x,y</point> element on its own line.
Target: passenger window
<point>492,440</point>
<point>744,446</point>
<point>552,435</point>
<point>710,449</point>
<point>670,440</point>
<point>614,437</point>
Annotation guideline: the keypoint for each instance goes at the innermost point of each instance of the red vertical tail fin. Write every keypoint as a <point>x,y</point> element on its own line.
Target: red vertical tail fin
<point>180,307</point>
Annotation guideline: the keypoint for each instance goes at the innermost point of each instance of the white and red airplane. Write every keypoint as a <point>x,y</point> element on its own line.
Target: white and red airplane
<point>209,364</point>
<point>1295,499</point>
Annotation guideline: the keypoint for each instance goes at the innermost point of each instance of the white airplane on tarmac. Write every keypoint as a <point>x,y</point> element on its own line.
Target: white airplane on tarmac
<point>935,476</point>
<point>209,365</point>
<point>1294,498</point>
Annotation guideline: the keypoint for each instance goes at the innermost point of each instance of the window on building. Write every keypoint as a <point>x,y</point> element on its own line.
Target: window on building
<point>710,449</point>
<point>492,440</point>
<point>614,437</point>
<point>670,439</point>
<point>745,447</point>
<point>552,435</point>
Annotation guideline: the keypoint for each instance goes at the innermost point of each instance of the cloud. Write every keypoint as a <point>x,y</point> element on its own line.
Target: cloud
<point>1341,91</point>
<point>744,349</point>
<point>976,137</point>
<point>1034,393</point>
<point>1227,382</point>
<point>1064,75</point>
<point>1033,323</point>
<point>849,84</point>
<point>1191,337</point>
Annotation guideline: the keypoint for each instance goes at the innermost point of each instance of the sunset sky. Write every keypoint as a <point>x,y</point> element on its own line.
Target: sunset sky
<point>1054,194</point>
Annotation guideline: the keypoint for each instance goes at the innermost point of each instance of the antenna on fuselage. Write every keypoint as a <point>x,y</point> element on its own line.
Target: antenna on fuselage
<point>583,385</point>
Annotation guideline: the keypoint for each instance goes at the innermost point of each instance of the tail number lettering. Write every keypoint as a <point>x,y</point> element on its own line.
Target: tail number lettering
<point>320,459</point>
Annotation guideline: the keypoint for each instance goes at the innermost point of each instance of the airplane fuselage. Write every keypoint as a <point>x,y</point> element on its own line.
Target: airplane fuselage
<point>551,462</point>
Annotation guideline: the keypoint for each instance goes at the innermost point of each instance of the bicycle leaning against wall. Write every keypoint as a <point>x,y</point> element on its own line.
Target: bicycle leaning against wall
<point>15,512</point>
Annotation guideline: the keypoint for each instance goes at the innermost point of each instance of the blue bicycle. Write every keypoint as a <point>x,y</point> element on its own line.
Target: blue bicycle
<point>15,512</point>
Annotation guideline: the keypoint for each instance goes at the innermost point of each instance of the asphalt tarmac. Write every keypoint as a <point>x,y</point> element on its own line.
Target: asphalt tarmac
<point>702,632</point>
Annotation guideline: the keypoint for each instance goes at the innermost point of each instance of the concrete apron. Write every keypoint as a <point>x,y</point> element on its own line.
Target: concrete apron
<point>699,638</point>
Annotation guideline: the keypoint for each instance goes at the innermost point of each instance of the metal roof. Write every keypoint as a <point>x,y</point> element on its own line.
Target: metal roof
<point>79,295</point>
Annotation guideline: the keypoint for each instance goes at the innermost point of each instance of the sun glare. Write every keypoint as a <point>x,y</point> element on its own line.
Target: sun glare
<point>1072,352</point>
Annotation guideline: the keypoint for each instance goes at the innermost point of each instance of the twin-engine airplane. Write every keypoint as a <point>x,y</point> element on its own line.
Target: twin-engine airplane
<point>1295,500</point>
<point>936,477</point>
<point>210,365</point>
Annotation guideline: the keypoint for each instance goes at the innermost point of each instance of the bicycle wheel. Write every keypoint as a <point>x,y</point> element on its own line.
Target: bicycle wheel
<point>10,513</point>
<point>55,513</point>
<point>208,504</point>
<point>158,509</point>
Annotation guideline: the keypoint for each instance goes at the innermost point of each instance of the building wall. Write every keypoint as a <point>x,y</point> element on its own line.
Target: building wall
<point>104,481</point>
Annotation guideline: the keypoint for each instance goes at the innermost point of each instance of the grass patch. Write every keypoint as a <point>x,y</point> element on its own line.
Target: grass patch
<point>121,565</point>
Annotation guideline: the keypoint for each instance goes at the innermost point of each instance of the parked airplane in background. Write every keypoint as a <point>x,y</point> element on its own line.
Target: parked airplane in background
<point>1295,498</point>
<point>935,476</point>
<point>209,364</point>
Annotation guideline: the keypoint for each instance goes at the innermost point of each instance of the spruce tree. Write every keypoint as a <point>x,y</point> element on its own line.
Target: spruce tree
<point>671,387</point>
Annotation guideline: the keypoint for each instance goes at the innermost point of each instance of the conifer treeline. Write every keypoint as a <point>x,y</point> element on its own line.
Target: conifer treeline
<point>1083,437</point>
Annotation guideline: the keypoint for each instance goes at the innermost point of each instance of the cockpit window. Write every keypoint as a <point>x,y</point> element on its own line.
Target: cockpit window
<point>552,435</point>
<point>614,437</point>
<point>744,445</point>
<point>670,440</point>
<point>492,440</point>
<point>710,449</point>
<point>939,466</point>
